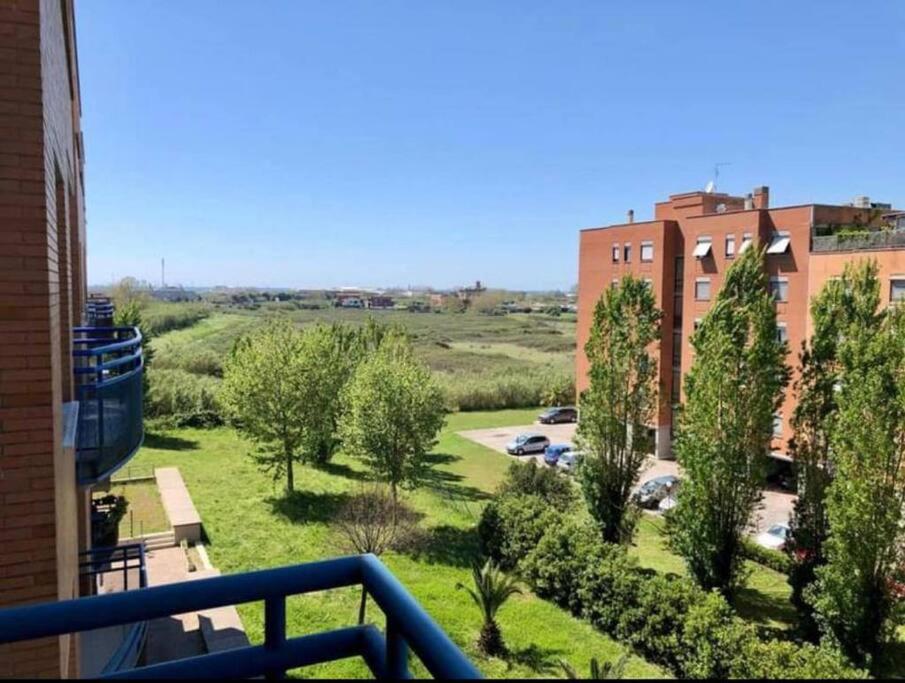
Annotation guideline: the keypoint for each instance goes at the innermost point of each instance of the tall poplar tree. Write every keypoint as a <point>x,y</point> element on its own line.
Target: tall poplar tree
<point>732,392</point>
<point>619,406</point>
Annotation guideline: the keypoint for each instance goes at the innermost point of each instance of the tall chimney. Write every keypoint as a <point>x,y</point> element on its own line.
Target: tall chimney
<point>631,215</point>
<point>762,197</point>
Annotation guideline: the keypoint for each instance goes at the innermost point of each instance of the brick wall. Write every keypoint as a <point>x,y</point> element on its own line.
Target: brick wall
<point>41,292</point>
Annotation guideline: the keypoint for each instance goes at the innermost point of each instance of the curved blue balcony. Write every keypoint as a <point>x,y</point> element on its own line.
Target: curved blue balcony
<point>108,368</point>
<point>386,652</point>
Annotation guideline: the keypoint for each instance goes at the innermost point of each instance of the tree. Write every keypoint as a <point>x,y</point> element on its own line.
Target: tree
<point>853,596</point>
<point>850,300</point>
<point>492,588</point>
<point>619,404</point>
<point>393,412</point>
<point>264,392</point>
<point>128,314</point>
<point>733,390</point>
<point>329,355</point>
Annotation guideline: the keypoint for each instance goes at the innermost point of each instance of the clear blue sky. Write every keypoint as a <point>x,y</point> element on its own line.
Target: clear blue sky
<point>299,143</point>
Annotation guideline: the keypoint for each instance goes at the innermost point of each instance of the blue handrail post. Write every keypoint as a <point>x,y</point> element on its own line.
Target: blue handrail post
<point>397,652</point>
<point>274,630</point>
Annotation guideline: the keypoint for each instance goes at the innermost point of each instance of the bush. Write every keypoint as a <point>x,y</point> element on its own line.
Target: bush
<point>165,317</point>
<point>712,639</point>
<point>778,659</point>
<point>523,389</point>
<point>181,399</point>
<point>607,584</point>
<point>774,559</point>
<point>529,479</point>
<point>511,527</point>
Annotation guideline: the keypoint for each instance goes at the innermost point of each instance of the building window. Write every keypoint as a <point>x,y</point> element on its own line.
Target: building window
<point>730,246</point>
<point>647,252</point>
<point>614,283</point>
<point>782,332</point>
<point>779,243</point>
<point>697,324</point>
<point>897,289</point>
<point>702,248</point>
<point>702,289</point>
<point>746,242</point>
<point>779,289</point>
<point>627,253</point>
<point>616,251</point>
<point>777,426</point>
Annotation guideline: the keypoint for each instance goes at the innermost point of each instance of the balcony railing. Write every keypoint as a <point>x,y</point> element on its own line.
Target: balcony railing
<point>881,239</point>
<point>108,368</point>
<point>100,310</point>
<point>385,653</point>
<point>113,570</point>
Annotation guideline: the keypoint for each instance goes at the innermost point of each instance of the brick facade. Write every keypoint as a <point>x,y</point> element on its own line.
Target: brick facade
<point>680,224</point>
<point>42,295</point>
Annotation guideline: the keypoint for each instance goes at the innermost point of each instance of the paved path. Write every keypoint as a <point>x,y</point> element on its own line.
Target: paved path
<point>776,506</point>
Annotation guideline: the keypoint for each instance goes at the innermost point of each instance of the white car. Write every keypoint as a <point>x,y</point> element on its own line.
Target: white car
<point>668,503</point>
<point>569,461</point>
<point>774,537</point>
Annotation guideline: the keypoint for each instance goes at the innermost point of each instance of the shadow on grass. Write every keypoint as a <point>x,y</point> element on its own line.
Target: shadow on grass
<point>168,442</point>
<point>541,660</point>
<point>760,608</point>
<point>344,471</point>
<point>446,545</point>
<point>302,507</point>
<point>445,483</point>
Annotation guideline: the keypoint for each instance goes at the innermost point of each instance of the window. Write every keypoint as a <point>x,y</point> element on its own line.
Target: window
<point>627,252</point>
<point>702,289</point>
<point>779,288</point>
<point>897,289</point>
<point>782,332</point>
<point>702,248</point>
<point>746,242</point>
<point>614,283</point>
<point>647,252</point>
<point>730,246</point>
<point>777,426</point>
<point>649,282</point>
<point>616,251</point>
<point>697,324</point>
<point>779,243</point>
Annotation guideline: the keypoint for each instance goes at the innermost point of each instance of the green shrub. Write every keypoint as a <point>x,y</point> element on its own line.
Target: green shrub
<point>712,637</point>
<point>529,479</point>
<point>774,559</point>
<point>511,526</point>
<point>165,317</point>
<point>554,567</point>
<point>498,391</point>
<point>182,399</point>
<point>780,659</point>
<point>608,584</point>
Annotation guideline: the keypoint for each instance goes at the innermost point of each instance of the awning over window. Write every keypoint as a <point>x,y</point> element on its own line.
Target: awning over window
<point>702,249</point>
<point>779,244</point>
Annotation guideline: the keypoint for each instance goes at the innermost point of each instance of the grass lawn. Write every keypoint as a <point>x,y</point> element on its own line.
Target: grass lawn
<point>145,514</point>
<point>252,524</point>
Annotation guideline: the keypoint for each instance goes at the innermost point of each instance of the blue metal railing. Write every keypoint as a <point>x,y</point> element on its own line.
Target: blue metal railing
<point>386,654</point>
<point>108,372</point>
<point>100,310</point>
<point>109,569</point>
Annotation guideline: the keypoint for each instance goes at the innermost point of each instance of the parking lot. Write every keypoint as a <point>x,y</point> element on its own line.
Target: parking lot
<point>776,506</point>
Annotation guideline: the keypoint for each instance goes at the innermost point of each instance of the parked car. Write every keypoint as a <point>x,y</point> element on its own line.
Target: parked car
<point>569,461</point>
<point>651,492</point>
<point>555,451</point>
<point>774,537</point>
<point>668,503</point>
<point>553,416</point>
<point>527,443</point>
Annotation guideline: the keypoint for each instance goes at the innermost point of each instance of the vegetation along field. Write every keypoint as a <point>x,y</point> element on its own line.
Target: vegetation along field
<point>482,362</point>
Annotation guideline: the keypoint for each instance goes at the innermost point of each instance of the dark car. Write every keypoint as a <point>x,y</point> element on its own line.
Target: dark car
<point>527,443</point>
<point>557,415</point>
<point>651,492</point>
<point>554,451</point>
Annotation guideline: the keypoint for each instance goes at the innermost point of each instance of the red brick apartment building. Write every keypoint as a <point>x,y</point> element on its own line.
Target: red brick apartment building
<point>44,495</point>
<point>684,253</point>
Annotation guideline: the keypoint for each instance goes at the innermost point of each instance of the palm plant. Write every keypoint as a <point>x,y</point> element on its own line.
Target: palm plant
<point>608,672</point>
<point>492,588</point>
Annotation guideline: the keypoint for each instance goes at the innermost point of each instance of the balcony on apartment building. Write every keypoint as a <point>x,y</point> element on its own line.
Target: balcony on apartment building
<point>385,651</point>
<point>889,233</point>
<point>108,367</point>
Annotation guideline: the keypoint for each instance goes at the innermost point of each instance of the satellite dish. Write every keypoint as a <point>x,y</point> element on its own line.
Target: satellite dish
<point>711,186</point>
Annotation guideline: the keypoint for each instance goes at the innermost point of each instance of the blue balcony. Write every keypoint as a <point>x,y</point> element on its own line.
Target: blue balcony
<point>100,310</point>
<point>386,653</point>
<point>108,367</point>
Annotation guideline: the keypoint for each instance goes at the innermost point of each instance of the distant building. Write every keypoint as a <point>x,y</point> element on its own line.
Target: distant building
<point>351,297</point>
<point>175,294</point>
<point>466,294</point>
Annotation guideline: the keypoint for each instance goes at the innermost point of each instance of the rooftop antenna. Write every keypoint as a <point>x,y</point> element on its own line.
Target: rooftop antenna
<point>711,186</point>
<point>163,270</point>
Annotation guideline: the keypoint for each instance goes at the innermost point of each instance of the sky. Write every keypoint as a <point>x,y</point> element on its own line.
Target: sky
<point>305,144</point>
